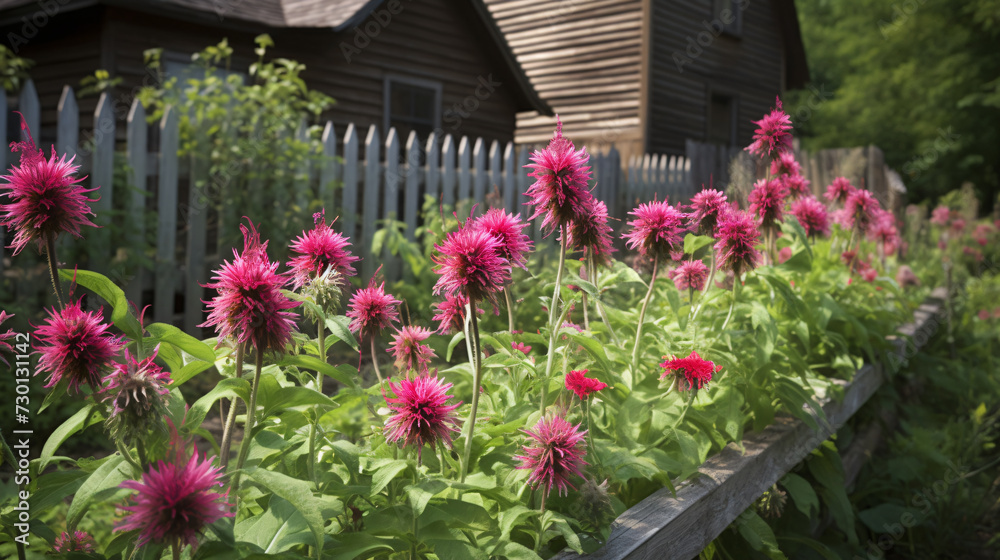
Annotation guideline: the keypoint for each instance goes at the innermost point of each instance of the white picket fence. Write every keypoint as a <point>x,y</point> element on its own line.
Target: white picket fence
<point>448,168</point>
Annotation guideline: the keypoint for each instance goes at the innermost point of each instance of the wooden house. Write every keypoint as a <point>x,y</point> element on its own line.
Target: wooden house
<point>648,75</point>
<point>413,64</point>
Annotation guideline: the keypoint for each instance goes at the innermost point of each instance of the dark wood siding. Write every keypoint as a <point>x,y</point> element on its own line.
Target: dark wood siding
<point>584,58</point>
<point>748,68</point>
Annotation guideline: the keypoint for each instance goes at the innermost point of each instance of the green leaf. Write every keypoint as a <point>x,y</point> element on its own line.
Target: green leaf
<point>108,477</point>
<point>759,535</point>
<point>290,397</point>
<point>802,494</point>
<point>817,546</point>
<point>339,328</point>
<point>594,348</point>
<point>277,529</point>
<point>384,474</point>
<point>455,340</point>
<point>227,388</point>
<point>72,425</point>
<point>298,493</point>
<point>422,493</point>
<point>54,487</point>
<point>883,517</point>
<point>183,341</point>
<point>352,545</point>
<point>694,242</point>
<point>511,517</point>
<point>316,364</point>
<point>109,292</point>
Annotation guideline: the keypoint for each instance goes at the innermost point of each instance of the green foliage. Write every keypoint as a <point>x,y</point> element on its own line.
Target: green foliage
<point>13,70</point>
<point>97,83</point>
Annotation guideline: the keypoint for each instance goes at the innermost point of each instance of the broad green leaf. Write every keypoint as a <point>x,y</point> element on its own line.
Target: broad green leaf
<point>108,477</point>
<point>54,487</point>
<point>511,517</point>
<point>385,473</point>
<point>109,292</point>
<point>276,529</point>
<point>420,494</point>
<point>72,425</point>
<point>352,545</point>
<point>299,494</point>
<point>339,328</point>
<point>316,364</point>
<point>694,242</point>
<point>759,535</point>
<point>815,545</point>
<point>455,340</point>
<point>227,388</point>
<point>290,397</point>
<point>172,335</point>
<point>802,494</point>
<point>594,348</point>
<point>883,518</point>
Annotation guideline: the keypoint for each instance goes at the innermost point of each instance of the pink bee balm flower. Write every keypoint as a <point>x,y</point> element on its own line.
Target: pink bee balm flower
<point>78,348</point>
<point>583,386</point>
<point>469,263</point>
<point>372,310</point>
<point>784,254</point>
<point>554,454</point>
<point>44,197</point>
<point>591,232</point>
<point>657,230</point>
<point>520,347</point>
<point>860,211</point>
<point>135,391</point>
<point>508,229</point>
<point>421,413</point>
<point>839,190</point>
<point>767,201</point>
<point>560,192</point>
<point>5,347</point>
<point>958,225</point>
<point>706,206</point>
<point>772,133</point>
<point>884,230</point>
<point>450,314</point>
<point>940,215</point>
<point>318,250</point>
<point>79,541</point>
<point>693,370</point>
<point>690,275</point>
<point>250,307</point>
<point>785,164</point>
<point>906,277</point>
<point>797,185</point>
<point>408,351</point>
<point>984,315</point>
<point>812,216</point>
<point>869,274</point>
<point>737,239</point>
<point>175,502</point>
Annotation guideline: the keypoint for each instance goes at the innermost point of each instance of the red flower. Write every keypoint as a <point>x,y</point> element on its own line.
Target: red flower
<point>694,371</point>
<point>175,502</point>
<point>839,190</point>
<point>860,211</point>
<point>884,230</point>
<point>408,351</point>
<point>372,310</point>
<point>470,264</point>
<point>941,215</point>
<point>78,347</point>
<point>560,192</point>
<point>45,199</point>
<point>906,277</point>
<point>737,239</point>
<point>79,541</point>
<point>690,275</point>
<point>869,274</point>
<point>657,230</point>
<point>421,413</point>
<point>706,207</point>
<point>135,390</point>
<point>785,164</point>
<point>450,314</point>
<point>581,385</point>
<point>520,347</point>
<point>812,216</point>
<point>767,200</point>
<point>784,254</point>
<point>591,231</point>
<point>554,453</point>
<point>772,133</point>
<point>4,345</point>
<point>508,229</point>
<point>797,185</point>
<point>318,250</point>
<point>250,306</point>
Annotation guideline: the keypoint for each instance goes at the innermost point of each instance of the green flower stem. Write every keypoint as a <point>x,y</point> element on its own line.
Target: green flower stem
<point>642,314</point>
<point>476,382</point>
<point>251,421</point>
<point>50,253</point>
<point>600,305</point>
<point>176,549</point>
<point>553,327</point>
<point>128,456</point>
<point>227,432</point>
<point>704,292</point>
<point>736,285</point>
<point>541,527</point>
<point>375,363</point>
<point>321,340</point>
<point>140,448</point>
<point>510,309</point>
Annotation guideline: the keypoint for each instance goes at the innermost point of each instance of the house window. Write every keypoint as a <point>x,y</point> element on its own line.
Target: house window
<point>730,14</point>
<point>722,120</point>
<point>412,104</point>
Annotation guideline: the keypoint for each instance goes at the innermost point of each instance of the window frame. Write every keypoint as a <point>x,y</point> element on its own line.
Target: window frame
<point>433,85</point>
<point>734,118</point>
<point>734,29</point>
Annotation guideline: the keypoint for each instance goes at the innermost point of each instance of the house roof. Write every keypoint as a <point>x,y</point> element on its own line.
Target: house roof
<point>336,15</point>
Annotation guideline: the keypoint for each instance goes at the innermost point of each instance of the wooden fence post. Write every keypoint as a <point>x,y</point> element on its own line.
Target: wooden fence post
<point>373,169</point>
<point>102,177</point>
<point>166,232</point>
<point>328,171</point>
<point>390,196</point>
<point>412,202</point>
<point>350,204</point>
<point>433,180</point>
<point>136,152</point>
<point>448,170</point>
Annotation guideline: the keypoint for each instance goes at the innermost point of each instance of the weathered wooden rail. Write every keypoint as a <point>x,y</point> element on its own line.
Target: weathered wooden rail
<point>664,527</point>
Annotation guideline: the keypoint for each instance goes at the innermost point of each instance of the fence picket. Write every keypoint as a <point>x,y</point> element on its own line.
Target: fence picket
<point>349,208</point>
<point>479,175</point>
<point>166,232</point>
<point>300,184</point>
<point>390,196</point>
<point>136,152</point>
<point>30,108</point>
<point>510,178</point>
<point>495,178</point>
<point>448,170</point>
<point>523,181</point>
<point>67,123</point>
<point>433,179</point>
<point>373,169</point>
<point>196,210</point>
<point>464,169</point>
<point>412,202</point>
<point>102,177</point>
<point>328,171</point>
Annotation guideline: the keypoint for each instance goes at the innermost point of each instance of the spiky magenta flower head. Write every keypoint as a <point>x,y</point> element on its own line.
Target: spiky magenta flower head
<point>421,413</point>
<point>657,230</point>
<point>408,351</point>
<point>514,244</point>
<point>737,237</point>
<point>318,250</point>
<point>941,215</point>
<point>77,347</point>
<point>797,185</point>
<point>767,201</point>
<point>884,230</point>
<point>812,216</point>
<point>78,541</point>
<point>450,314</point>
<point>135,389</point>
<point>45,199</point>
<point>250,307</point>
<point>591,232</point>
<point>689,373</point>
<point>690,275</point>
<point>583,386</point>
<point>560,193</point>
<point>839,190</point>
<point>175,502</point>
<point>772,133</point>
<point>372,310</point>
<point>469,262</point>
<point>785,164</point>
<point>860,211</point>
<point>554,453</point>
<point>705,209</point>
<point>5,347</point>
